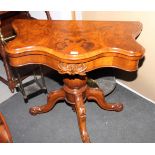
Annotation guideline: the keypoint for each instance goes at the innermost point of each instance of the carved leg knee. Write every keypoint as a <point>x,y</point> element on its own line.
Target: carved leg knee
<point>97,95</point>
<point>53,97</point>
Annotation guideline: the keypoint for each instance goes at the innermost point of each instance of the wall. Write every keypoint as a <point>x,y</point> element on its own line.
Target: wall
<point>56,15</point>
<point>144,83</point>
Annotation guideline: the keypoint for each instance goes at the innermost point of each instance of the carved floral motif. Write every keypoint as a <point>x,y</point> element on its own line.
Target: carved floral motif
<point>72,69</point>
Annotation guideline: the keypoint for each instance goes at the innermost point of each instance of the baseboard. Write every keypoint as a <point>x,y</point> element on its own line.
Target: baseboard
<point>125,86</point>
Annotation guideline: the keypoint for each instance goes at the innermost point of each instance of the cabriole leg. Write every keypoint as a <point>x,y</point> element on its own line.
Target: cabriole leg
<point>52,99</point>
<point>97,95</point>
<point>81,116</point>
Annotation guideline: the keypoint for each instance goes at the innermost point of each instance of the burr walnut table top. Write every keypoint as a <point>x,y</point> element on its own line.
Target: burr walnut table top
<point>76,42</point>
<point>74,48</point>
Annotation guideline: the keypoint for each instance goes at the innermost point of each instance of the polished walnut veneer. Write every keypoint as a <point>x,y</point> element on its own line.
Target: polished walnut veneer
<point>74,48</point>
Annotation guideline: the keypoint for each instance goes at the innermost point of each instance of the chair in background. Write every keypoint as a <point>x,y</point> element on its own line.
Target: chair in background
<point>6,34</point>
<point>16,76</point>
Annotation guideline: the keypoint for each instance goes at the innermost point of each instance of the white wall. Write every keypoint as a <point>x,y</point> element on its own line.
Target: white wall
<point>56,15</point>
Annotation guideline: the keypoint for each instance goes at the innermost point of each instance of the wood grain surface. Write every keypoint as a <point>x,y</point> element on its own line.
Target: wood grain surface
<point>106,44</point>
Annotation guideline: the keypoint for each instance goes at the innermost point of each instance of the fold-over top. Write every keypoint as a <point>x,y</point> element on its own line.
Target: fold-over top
<point>76,39</point>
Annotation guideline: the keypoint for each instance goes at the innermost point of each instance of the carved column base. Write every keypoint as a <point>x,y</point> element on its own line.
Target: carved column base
<point>75,91</point>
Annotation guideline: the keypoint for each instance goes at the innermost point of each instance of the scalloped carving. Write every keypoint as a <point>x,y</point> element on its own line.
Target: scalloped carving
<point>72,69</point>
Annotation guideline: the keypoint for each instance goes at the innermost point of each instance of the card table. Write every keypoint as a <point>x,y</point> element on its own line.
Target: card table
<point>74,48</point>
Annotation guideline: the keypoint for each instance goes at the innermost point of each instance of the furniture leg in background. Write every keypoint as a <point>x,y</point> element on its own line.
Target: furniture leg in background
<point>7,34</point>
<point>5,135</point>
